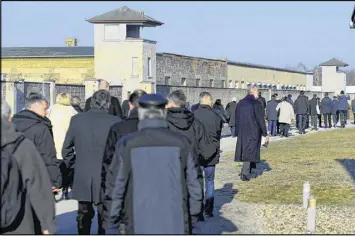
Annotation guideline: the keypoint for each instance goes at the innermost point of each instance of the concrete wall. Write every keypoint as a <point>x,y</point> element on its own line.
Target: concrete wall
<point>250,74</point>
<point>192,68</point>
<point>309,82</point>
<point>332,80</point>
<point>62,70</point>
<point>350,89</point>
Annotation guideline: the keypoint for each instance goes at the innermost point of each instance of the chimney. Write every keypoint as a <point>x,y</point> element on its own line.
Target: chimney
<point>71,42</point>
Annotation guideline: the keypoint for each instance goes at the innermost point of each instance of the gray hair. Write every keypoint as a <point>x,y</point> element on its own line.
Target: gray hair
<point>75,101</point>
<point>100,100</point>
<point>251,88</point>
<point>33,98</point>
<point>5,110</point>
<point>151,113</point>
<point>178,98</point>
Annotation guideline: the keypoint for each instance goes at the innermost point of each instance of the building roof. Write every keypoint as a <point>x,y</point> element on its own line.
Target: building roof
<point>125,15</point>
<point>25,52</point>
<point>266,67</point>
<point>334,62</point>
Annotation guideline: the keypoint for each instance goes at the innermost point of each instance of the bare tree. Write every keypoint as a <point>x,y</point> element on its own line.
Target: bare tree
<point>350,78</point>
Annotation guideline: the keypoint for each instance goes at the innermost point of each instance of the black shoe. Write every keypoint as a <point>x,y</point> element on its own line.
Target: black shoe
<point>209,215</point>
<point>244,178</point>
<point>201,218</point>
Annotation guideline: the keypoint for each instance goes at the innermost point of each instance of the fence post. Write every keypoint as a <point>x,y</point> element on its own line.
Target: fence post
<point>91,86</point>
<point>11,95</point>
<point>52,94</point>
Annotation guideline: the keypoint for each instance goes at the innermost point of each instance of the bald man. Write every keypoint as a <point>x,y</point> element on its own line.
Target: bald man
<point>115,105</point>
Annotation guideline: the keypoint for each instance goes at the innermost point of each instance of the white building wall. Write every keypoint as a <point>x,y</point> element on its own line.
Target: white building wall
<point>332,80</point>
<point>309,82</point>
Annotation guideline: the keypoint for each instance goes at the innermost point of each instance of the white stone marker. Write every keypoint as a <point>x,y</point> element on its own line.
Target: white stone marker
<point>311,215</point>
<point>306,194</point>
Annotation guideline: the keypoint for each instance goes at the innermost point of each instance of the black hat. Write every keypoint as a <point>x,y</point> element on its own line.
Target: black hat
<point>152,100</point>
<point>342,92</point>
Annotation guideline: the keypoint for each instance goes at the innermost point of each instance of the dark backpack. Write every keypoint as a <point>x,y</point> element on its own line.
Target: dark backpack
<point>12,190</point>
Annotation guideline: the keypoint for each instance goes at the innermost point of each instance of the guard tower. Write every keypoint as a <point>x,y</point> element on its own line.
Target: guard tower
<point>333,79</point>
<point>122,57</point>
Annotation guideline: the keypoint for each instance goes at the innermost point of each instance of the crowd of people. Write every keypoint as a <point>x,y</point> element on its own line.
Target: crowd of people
<point>148,166</point>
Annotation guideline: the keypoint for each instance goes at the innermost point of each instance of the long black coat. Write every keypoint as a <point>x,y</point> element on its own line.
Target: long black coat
<point>313,107</point>
<point>230,109</point>
<point>87,133</point>
<point>250,127</point>
<point>114,109</point>
<point>125,108</point>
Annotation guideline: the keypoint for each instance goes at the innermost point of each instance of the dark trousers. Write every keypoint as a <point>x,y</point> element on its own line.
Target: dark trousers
<point>86,213</point>
<point>354,117</point>
<point>284,129</point>
<point>209,175</point>
<point>233,131</point>
<point>314,121</point>
<point>248,167</point>
<point>335,118</point>
<point>343,117</point>
<point>327,120</point>
<point>272,127</point>
<point>320,120</point>
<point>278,127</point>
<point>302,122</point>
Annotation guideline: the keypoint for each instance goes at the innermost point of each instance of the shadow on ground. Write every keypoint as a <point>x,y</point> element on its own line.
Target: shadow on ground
<point>66,223</point>
<point>349,165</point>
<point>261,167</point>
<point>219,224</point>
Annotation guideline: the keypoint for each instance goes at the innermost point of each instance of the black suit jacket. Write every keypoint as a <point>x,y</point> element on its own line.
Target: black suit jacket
<point>114,109</point>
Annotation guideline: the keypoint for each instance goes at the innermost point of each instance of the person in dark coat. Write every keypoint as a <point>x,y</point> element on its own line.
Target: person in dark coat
<point>289,99</point>
<point>187,106</point>
<point>213,124</point>
<point>271,115</point>
<point>184,122</point>
<point>343,108</point>
<point>262,100</point>
<point>353,107</point>
<point>335,112</point>
<point>39,202</point>
<point>34,124</point>
<point>326,109</point>
<point>87,135</point>
<point>313,103</point>
<point>115,106</point>
<point>125,108</point>
<point>230,109</point>
<point>75,103</point>
<point>195,107</point>
<point>157,190</point>
<point>250,127</point>
<point>219,109</point>
<point>319,114</point>
<point>301,110</point>
<point>109,167</point>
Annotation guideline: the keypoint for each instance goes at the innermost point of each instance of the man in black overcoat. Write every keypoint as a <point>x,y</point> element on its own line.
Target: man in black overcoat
<point>250,128</point>
<point>115,105</point>
<point>87,134</point>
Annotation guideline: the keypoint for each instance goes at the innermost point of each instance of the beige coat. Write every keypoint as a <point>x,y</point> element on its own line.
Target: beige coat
<point>287,113</point>
<point>60,116</point>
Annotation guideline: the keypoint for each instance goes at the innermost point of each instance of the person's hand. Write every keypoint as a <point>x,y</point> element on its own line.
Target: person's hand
<point>45,232</point>
<point>55,190</point>
<point>267,138</point>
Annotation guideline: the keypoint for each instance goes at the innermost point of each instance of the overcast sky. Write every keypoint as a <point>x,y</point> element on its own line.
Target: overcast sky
<point>269,33</point>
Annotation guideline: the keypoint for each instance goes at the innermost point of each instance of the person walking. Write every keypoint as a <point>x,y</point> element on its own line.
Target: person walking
<point>289,99</point>
<point>84,147</point>
<point>326,109</point>
<point>286,116</point>
<point>157,190</point>
<point>230,109</point>
<point>314,112</point>
<point>213,124</point>
<point>125,108</point>
<point>75,102</point>
<point>60,116</point>
<point>115,106</point>
<point>250,128</point>
<point>353,108</point>
<point>271,116</point>
<point>219,109</point>
<point>335,112</point>
<point>343,108</point>
<point>34,124</point>
<point>27,203</point>
<point>301,110</point>
<point>319,114</point>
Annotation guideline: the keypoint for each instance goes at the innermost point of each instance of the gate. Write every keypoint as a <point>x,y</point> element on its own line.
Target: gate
<point>73,90</point>
<point>116,91</point>
<point>24,88</point>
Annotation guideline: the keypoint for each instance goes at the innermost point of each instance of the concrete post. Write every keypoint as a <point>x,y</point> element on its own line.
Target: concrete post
<point>311,215</point>
<point>51,91</point>
<point>91,86</point>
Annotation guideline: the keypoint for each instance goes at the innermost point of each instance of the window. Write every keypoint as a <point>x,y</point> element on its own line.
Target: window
<point>167,80</point>
<point>211,83</point>
<point>134,66</point>
<point>230,83</point>
<point>223,84</point>
<point>236,84</point>
<point>183,81</point>
<point>149,67</point>
<point>197,82</point>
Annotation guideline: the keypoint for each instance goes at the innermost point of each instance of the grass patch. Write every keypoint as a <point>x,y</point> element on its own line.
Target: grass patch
<point>312,158</point>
